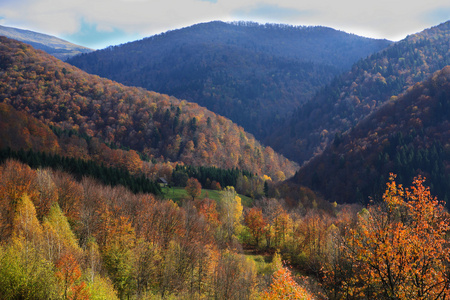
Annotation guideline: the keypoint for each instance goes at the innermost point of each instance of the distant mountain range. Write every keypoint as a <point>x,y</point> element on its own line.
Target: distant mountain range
<point>52,45</point>
<point>251,73</point>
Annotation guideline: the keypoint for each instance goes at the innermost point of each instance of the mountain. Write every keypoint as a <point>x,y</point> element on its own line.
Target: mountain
<point>52,45</point>
<point>408,136</point>
<point>362,90</point>
<point>253,74</point>
<point>98,110</point>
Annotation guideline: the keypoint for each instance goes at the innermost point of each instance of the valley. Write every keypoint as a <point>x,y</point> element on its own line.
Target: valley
<point>227,161</point>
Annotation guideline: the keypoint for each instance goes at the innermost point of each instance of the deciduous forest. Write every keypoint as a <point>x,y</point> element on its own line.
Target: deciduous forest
<point>101,112</point>
<point>67,239</point>
<point>116,192</point>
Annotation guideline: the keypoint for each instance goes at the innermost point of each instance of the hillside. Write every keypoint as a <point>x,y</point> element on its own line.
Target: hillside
<point>361,91</point>
<point>408,136</point>
<point>52,45</point>
<point>18,130</point>
<point>103,112</point>
<point>253,74</point>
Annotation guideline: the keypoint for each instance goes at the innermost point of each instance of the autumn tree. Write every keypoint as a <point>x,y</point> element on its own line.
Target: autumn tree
<point>284,286</point>
<point>256,223</point>
<point>118,255</point>
<point>69,196</point>
<point>25,274</point>
<point>69,274</point>
<point>16,179</point>
<point>47,192</point>
<point>58,236</point>
<point>208,209</point>
<point>232,208</point>
<point>193,188</point>
<point>234,277</point>
<point>399,248</point>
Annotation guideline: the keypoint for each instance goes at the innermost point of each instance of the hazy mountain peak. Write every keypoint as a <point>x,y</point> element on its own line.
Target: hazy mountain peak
<point>55,46</point>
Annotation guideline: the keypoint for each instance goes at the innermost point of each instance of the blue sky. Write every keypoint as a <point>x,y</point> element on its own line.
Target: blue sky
<point>100,23</point>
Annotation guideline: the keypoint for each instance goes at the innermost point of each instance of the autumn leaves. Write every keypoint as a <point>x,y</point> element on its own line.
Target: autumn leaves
<point>63,239</point>
<point>399,248</point>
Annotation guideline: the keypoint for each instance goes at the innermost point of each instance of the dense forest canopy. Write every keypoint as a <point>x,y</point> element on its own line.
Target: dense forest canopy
<point>81,216</point>
<point>409,135</point>
<point>155,125</point>
<point>65,239</point>
<point>253,74</point>
<point>355,94</point>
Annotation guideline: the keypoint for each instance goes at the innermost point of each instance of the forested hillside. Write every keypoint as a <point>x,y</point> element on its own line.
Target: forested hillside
<point>65,239</point>
<point>253,74</point>
<point>52,45</point>
<point>357,93</point>
<point>157,126</point>
<point>409,135</point>
<point>81,216</point>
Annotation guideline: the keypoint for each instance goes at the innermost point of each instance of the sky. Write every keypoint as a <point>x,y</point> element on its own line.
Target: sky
<point>100,23</point>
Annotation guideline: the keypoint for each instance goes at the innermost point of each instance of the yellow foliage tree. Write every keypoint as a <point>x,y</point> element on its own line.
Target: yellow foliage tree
<point>232,211</point>
<point>58,236</point>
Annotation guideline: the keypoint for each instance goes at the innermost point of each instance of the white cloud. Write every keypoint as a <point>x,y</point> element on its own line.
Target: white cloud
<point>381,18</point>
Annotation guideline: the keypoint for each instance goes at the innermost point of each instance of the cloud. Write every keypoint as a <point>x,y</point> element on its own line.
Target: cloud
<point>271,13</point>
<point>107,21</point>
<point>98,37</point>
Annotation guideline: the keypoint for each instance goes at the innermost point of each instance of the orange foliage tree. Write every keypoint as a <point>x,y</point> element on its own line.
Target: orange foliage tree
<point>285,287</point>
<point>193,188</point>
<point>69,274</point>
<point>399,249</point>
<point>256,223</point>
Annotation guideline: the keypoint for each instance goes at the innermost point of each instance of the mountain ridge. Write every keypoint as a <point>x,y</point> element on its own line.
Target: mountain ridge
<point>251,73</point>
<point>355,94</point>
<point>55,46</point>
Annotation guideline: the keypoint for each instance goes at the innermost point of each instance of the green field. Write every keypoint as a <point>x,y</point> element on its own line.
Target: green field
<point>177,194</point>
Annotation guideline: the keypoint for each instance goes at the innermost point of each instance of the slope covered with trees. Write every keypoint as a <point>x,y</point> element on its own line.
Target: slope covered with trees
<point>103,112</point>
<point>253,74</point>
<point>409,136</point>
<point>64,239</point>
<point>61,239</point>
<point>355,94</point>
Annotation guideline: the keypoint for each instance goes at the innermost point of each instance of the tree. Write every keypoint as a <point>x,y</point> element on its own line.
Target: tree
<point>193,188</point>
<point>58,236</point>
<point>25,274</point>
<point>234,277</point>
<point>118,253</point>
<point>399,247</point>
<point>232,212</point>
<point>69,274</point>
<point>16,180</point>
<point>48,193</point>
<point>256,223</point>
<point>283,286</point>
